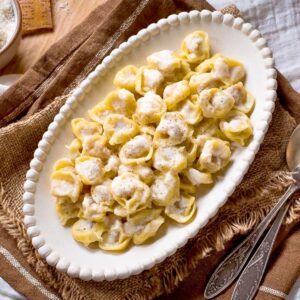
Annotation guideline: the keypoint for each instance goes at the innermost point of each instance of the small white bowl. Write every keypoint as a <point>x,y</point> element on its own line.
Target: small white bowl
<point>10,49</point>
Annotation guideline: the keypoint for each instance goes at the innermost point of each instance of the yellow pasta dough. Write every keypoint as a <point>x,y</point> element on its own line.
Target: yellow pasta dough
<point>65,164</point>
<point>74,148</point>
<point>99,112</point>
<point>144,171</point>
<point>225,69</point>
<point>95,145</point>
<point>190,110</point>
<point>201,81</point>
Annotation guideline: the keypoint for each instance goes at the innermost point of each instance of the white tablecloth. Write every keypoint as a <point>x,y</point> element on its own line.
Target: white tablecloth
<point>279,22</point>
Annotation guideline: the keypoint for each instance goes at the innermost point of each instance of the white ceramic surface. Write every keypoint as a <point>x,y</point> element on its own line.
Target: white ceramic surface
<point>228,35</point>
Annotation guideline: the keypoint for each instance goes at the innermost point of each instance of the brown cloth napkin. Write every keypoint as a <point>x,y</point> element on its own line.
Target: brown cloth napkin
<point>37,97</point>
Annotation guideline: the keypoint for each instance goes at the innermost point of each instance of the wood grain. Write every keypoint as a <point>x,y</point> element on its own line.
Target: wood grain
<point>66,15</point>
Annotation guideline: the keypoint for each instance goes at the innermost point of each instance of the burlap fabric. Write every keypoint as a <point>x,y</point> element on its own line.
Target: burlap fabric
<point>39,90</point>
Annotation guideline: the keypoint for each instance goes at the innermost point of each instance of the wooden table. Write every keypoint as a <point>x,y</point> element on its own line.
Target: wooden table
<point>66,15</point>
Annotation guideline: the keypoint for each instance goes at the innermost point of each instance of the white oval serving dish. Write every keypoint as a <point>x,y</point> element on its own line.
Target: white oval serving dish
<point>228,35</point>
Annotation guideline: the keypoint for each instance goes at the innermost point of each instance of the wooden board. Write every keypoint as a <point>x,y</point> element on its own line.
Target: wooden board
<point>66,15</point>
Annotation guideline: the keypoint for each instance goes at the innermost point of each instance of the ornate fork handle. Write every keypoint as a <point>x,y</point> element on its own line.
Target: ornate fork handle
<point>233,264</point>
<point>251,276</point>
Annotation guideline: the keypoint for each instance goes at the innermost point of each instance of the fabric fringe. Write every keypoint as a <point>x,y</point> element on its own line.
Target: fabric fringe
<point>54,279</point>
<point>211,238</point>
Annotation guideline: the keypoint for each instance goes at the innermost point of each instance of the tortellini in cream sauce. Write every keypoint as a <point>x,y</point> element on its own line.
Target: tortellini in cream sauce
<point>168,128</point>
<point>195,47</point>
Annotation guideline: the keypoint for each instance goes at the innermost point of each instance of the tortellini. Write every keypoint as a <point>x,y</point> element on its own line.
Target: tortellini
<point>215,103</point>
<point>137,161</point>
<point>148,79</point>
<point>176,92</point>
<point>225,69</point>
<point>202,81</point>
<point>114,237</point>
<point>66,183</point>
<point>120,102</point>
<point>190,111</point>
<point>83,129</point>
<point>66,209</point>
<point>182,209</point>
<point>172,130</point>
<point>236,127</point>
<point>74,148</point>
<point>191,147</point>
<point>166,61</point>
<point>149,109</point>
<point>100,112</point>
<point>165,188</point>
<point>195,47</point>
<point>244,101</point>
<point>130,192</point>
<point>137,150</point>
<point>100,201</point>
<point>196,177</point>
<point>126,77</point>
<point>87,232</point>
<point>214,156</point>
<point>170,64</point>
<point>119,129</point>
<point>145,172</point>
<point>65,164</point>
<point>89,169</point>
<point>170,158</point>
<point>112,166</point>
<point>95,145</point>
<point>144,225</point>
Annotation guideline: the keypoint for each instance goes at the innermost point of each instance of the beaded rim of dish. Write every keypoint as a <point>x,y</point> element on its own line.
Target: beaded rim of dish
<point>40,154</point>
